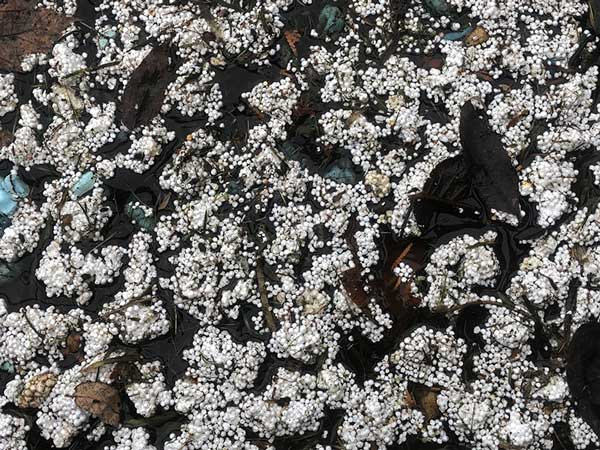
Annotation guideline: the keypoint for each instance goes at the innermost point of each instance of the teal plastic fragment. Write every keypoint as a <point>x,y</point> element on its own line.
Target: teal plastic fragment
<point>331,19</point>
<point>438,7</point>
<point>110,33</point>
<point>102,42</point>
<point>458,35</point>
<point>84,184</point>
<point>8,205</point>
<point>138,215</point>
<point>341,171</point>
<point>7,367</point>
<point>15,186</point>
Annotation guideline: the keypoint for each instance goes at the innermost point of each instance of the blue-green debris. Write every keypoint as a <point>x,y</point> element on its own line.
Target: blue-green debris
<point>438,7</point>
<point>458,35</point>
<point>84,184</point>
<point>138,215</point>
<point>341,171</point>
<point>331,19</point>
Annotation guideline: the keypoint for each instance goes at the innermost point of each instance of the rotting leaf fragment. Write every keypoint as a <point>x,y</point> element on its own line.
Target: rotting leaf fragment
<point>145,91</point>
<point>26,30</point>
<point>99,399</point>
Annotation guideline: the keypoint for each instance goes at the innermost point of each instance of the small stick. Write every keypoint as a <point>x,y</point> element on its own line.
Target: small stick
<point>264,301</point>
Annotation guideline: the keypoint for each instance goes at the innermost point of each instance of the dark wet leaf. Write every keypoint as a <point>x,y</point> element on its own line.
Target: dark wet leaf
<point>491,170</point>
<point>26,30</point>
<point>583,373</point>
<point>354,287</point>
<point>101,400</point>
<point>594,14</point>
<point>145,91</point>
<point>447,185</point>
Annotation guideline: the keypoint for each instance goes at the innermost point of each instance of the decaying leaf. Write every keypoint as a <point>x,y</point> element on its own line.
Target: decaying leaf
<point>292,37</point>
<point>125,372</point>
<point>409,399</point>
<point>6,138</point>
<point>101,400</point>
<point>427,401</point>
<point>476,37</point>
<point>26,30</point>
<point>490,168</point>
<point>145,91</point>
<point>36,390</point>
<point>73,343</point>
<point>583,372</point>
<point>353,285</point>
<point>423,398</point>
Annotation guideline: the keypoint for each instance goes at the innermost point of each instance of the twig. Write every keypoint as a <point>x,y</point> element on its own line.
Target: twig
<point>264,300</point>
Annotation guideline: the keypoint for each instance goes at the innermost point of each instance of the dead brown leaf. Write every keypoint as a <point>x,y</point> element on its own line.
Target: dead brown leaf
<point>26,30</point>
<point>426,399</point>
<point>144,94</point>
<point>125,372</point>
<point>6,137</point>
<point>101,400</point>
<point>292,37</point>
<point>73,343</point>
<point>409,400</point>
<point>353,285</point>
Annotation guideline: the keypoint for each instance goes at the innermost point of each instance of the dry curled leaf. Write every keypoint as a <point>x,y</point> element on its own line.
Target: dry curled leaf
<point>101,400</point>
<point>26,30</point>
<point>476,37</point>
<point>145,91</point>
<point>292,37</point>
